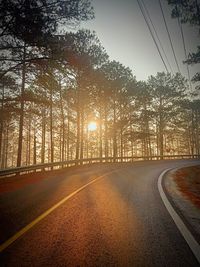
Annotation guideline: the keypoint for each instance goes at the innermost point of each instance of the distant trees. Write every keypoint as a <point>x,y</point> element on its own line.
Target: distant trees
<point>192,124</point>
<point>7,109</point>
<point>86,55</point>
<point>118,78</point>
<point>167,91</point>
<point>133,118</point>
<point>142,116</point>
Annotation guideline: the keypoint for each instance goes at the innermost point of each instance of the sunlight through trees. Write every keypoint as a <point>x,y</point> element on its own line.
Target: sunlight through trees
<point>63,99</point>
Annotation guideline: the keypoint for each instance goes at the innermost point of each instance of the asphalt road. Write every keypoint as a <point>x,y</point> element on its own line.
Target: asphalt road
<point>119,220</point>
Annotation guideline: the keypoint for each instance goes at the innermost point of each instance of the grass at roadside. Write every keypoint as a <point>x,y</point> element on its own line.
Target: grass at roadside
<point>188,181</point>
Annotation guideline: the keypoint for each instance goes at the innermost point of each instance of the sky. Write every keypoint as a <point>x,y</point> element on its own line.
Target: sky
<point>122,30</point>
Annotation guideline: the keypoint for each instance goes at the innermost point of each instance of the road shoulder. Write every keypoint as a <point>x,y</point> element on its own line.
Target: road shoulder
<point>178,213</point>
<point>186,209</point>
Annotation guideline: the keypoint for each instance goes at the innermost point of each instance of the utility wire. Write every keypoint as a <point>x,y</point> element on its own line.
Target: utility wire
<point>184,46</point>
<point>145,18</point>
<point>146,9</point>
<point>169,36</point>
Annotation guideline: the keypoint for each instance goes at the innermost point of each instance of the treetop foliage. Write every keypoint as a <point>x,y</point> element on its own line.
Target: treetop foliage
<point>29,19</point>
<point>188,12</point>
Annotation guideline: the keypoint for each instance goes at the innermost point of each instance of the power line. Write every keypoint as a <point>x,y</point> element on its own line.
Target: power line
<point>145,18</point>
<point>169,36</point>
<point>146,9</point>
<point>184,46</point>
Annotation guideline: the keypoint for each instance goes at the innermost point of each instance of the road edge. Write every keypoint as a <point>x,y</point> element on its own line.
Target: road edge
<point>189,238</point>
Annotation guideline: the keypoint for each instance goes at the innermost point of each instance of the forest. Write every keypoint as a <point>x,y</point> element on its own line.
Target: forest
<point>62,98</point>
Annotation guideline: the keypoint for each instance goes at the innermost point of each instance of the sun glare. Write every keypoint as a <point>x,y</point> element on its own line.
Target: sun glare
<point>92,126</point>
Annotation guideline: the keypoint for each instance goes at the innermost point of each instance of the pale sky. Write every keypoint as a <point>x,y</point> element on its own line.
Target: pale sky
<point>123,32</point>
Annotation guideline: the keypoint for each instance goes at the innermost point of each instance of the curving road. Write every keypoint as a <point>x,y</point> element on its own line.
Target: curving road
<point>118,220</point>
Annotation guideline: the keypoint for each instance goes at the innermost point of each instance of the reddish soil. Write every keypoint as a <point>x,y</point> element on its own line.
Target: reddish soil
<point>188,181</point>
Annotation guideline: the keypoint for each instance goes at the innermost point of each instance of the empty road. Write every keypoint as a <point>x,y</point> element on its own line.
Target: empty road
<point>117,220</point>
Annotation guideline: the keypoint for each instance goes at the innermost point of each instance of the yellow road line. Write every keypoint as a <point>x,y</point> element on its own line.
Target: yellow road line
<point>45,214</point>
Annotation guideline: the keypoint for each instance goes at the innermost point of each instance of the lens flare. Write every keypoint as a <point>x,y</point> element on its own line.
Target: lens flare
<point>92,126</point>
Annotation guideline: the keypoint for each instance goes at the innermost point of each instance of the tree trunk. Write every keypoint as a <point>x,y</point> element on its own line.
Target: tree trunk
<point>35,149</point>
<point>43,136</point>
<point>3,151</point>
<point>51,125</point>
<point>29,141</point>
<point>106,130</point>
<point>21,121</point>
<point>63,125</point>
<point>114,131</point>
<point>27,146</point>
<point>100,133</point>
<point>68,139</point>
<point>82,134</point>
<point>78,119</point>
<point>6,146</point>
<point>161,126</point>
<point>1,123</point>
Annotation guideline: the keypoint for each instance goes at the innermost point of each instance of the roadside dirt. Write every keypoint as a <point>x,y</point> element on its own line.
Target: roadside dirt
<point>188,181</point>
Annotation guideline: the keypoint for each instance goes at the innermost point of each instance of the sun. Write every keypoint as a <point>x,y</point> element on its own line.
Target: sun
<point>92,126</point>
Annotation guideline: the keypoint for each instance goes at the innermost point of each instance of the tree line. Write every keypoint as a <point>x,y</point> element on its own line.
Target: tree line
<point>54,81</point>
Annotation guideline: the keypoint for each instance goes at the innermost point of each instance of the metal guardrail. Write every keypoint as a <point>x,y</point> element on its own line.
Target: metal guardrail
<point>60,164</point>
